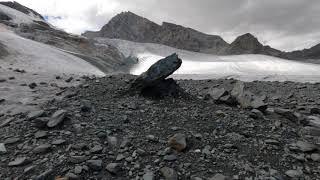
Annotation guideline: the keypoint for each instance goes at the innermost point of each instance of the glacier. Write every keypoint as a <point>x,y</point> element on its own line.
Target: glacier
<point>195,65</point>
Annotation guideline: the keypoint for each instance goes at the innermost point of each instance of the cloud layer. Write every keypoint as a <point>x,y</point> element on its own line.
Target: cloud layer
<point>285,24</point>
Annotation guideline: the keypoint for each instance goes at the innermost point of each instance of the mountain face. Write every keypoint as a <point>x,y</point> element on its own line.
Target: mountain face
<point>131,27</point>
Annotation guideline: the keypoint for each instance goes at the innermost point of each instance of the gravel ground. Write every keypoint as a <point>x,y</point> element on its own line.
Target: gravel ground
<point>100,131</point>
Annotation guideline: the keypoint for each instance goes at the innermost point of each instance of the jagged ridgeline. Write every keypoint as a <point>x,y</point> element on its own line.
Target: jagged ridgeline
<point>131,27</point>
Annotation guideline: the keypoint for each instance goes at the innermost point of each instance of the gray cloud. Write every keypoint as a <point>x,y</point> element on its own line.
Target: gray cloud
<point>283,24</point>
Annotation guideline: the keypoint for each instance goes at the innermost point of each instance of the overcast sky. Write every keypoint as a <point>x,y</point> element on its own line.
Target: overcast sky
<point>283,24</point>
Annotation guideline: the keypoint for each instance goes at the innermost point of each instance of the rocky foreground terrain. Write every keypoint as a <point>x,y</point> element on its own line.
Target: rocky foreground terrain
<point>124,127</point>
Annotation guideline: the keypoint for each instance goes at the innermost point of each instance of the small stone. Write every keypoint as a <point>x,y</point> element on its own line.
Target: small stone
<point>95,164</point>
<point>112,140</point>
<point>256,114</point>
<point>77,159</point>
<point>86,106</point>
<point>120,157</point>
<point>35,114</point>
<point>171,157</point>
<point>72,176</point>
<point>41,123</point>
<point>48,174</point>
<point>220,177</point>
<point>40,134</point>
<point>149,175</point>
<point>315,157</point>
<point>178,142</point>
<point>42,149</point>
<point>69,79</point>
<point>78,169</point>
<point>169,173</point>
<point>3,148</point>
<point>96,149</point>
<point>57,118</point>
<point>20,161</point>
<point>287,113</point>
<point>114,168</point>
<point>6,122</point>
<point>32,85</point>
<point>305,146</point>
<point>294,173</point>
<point>12,140</point>
<point>58,142</point>
<point>29,169</point>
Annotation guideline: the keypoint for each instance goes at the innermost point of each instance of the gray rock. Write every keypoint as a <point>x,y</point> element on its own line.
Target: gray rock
<point>220,177</point>
<point>32,85</point>
<point>72,176</point>
<point>3,148</point>
<point>40,134</point>
<point>315,110</point>
<point>35,114</point>
<point>287,113</point>
<point>6,122</point>
<point>44,148</point>
<point>57,118</point>
<point>247,99</point>
<point>169,173</point>
<point>256,114</point>
<point>48,174</point>
<point>310,131</point>
<point>78,169</point>
<point>41,123</point>
<point>294,173</point>
<point>178,142</point>
<point>170,157</point>
<point>96,149</point>
<point>19,161</point>
<point>12,140</point>
<point>114,168</point>
<point>314,121</point>
<point>58,142</point>
<point>217,93</point>
<point>157,72</point>
<point>303,146</point>
<point>95,164</point>
<point>315,157</point>
<point>78,159</point>
<point>149,175</point>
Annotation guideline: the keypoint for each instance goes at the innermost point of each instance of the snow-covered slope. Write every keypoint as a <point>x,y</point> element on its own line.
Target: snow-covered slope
<point>203,66</point>
<point>40,58</point>
<point>17,16</point>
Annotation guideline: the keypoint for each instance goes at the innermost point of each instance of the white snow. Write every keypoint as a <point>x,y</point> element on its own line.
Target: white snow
<point>40,58</point>
<point>17,16</point>
<point>205,66</point>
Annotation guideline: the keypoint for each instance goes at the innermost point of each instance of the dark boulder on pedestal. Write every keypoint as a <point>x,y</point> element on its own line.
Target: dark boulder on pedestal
<point>153,82</point>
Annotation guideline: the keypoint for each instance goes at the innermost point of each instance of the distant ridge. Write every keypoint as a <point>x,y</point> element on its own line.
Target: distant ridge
<point>129,26</point>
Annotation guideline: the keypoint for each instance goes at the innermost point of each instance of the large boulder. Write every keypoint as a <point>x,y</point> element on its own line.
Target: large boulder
<point>247,99</point>
<point>153,82</point>
<point>157,72</point>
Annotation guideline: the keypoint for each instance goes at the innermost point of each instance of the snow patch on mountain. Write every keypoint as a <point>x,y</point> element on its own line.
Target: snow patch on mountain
<point>40,58</point>
<point>19,17</point>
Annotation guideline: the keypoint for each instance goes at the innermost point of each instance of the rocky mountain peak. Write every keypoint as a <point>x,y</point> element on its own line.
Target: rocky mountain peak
<point>246,43</point>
